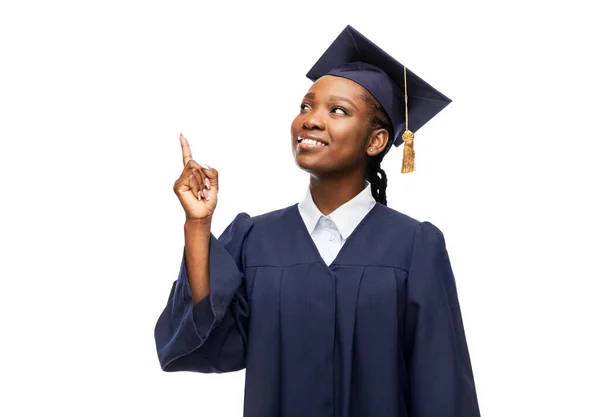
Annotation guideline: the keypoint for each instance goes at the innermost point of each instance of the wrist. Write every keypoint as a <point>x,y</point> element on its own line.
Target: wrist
<point>198,223</point>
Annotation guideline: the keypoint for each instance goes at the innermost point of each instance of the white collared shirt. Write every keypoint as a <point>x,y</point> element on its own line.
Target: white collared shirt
<point>330,232</point>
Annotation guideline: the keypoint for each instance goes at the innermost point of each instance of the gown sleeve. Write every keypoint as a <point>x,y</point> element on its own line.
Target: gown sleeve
<point>440,375</point>
<point>211,335</point>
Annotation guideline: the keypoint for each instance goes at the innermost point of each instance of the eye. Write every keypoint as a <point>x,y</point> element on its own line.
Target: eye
<point>304,107</point>
<point>339,110</point>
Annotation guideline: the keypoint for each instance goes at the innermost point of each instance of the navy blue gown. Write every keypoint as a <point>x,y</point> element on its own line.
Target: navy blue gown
<point>378,333</point>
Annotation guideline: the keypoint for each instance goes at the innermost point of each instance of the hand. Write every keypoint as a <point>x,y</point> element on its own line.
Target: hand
<point>197,187</point>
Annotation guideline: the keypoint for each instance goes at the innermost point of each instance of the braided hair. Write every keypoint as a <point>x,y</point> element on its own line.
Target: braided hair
<point>375,174</point>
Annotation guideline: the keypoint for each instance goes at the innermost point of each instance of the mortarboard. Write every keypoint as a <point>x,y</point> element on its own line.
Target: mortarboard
<point>356,58</point>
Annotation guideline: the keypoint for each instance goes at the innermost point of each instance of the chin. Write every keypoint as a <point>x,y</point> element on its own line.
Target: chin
<point>304,165</point>
<point>307,165</point>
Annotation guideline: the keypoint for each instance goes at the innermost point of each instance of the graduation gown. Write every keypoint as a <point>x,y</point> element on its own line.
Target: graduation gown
<point>378,333</point>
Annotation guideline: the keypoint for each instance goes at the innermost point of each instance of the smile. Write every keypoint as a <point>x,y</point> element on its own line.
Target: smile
<point>308,143</point>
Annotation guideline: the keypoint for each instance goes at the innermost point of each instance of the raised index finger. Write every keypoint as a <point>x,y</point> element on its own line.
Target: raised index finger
<point>185,149</point>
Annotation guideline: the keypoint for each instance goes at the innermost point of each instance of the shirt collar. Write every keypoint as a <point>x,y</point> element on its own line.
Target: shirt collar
<point>346,217</point>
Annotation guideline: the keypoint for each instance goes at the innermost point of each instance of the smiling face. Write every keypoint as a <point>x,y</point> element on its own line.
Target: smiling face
<point>332,134</point>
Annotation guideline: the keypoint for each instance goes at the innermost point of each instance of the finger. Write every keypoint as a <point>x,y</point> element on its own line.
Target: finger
<point>199,178</point>
<point>185,149</point>
<point>207,173</point>
<point>192,165</point>
<point>212,181</point>
<point>205,168</point>
<point>195,187</point>
<point>210,172</point>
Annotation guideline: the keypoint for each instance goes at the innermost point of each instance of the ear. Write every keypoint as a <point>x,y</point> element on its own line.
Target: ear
<point>378,140</point>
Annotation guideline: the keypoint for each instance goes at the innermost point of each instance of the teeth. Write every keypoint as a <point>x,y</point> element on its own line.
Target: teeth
<point>311,142</point>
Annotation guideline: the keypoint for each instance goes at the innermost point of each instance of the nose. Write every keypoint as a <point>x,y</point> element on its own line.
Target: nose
<point>313,121</point>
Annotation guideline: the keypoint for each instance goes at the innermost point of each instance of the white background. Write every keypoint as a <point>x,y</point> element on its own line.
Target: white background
<point>93,96</point>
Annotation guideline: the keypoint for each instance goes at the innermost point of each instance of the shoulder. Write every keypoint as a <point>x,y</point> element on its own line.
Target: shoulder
<point>262,224</point>
<point>423,245</point>
<point>398,218</point>
<point>264,218</point>
<point>275,217</point>
<point>417,228</point>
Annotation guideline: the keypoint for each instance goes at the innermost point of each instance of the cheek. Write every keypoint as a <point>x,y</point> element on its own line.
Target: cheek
<point>295,129</point>
<point>348,136</point>
<point>296,124</point>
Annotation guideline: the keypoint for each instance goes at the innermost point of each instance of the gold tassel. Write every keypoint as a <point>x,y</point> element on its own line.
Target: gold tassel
<point>408,159</point>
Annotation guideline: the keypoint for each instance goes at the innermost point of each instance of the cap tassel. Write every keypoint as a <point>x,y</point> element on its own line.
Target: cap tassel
<point>408,159</point>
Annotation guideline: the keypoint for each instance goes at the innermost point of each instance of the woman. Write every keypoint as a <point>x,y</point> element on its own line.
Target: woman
<point>338,305</point>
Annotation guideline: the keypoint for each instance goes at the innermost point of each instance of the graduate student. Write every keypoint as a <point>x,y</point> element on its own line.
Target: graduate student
<point>337,306</point>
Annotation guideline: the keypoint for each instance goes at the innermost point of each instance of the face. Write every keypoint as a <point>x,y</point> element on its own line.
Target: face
<point>331,134</point>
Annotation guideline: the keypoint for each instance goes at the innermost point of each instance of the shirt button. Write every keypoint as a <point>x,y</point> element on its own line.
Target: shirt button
<point>328,222</point>
<point>331,236</point>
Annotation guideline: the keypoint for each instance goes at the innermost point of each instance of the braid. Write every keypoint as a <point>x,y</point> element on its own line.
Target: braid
<point>375,174</point>
<point>378,179</point>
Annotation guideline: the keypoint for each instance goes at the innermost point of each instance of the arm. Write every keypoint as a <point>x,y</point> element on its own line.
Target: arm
<point>209,335</point>
<point>435,346</point>
<point>197,244</point>
<point>203,327</point>
<point>197,190</point>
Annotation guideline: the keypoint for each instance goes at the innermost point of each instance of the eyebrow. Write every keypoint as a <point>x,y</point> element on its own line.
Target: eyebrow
<point>311,96</point>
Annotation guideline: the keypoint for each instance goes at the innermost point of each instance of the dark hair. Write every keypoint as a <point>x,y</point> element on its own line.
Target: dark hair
<point>375,174</point>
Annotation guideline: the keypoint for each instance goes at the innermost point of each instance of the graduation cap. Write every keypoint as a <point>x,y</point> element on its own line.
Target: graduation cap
<point>356,58</point>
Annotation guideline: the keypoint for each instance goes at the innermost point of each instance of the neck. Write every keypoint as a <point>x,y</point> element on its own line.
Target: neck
<point>331,192</point>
